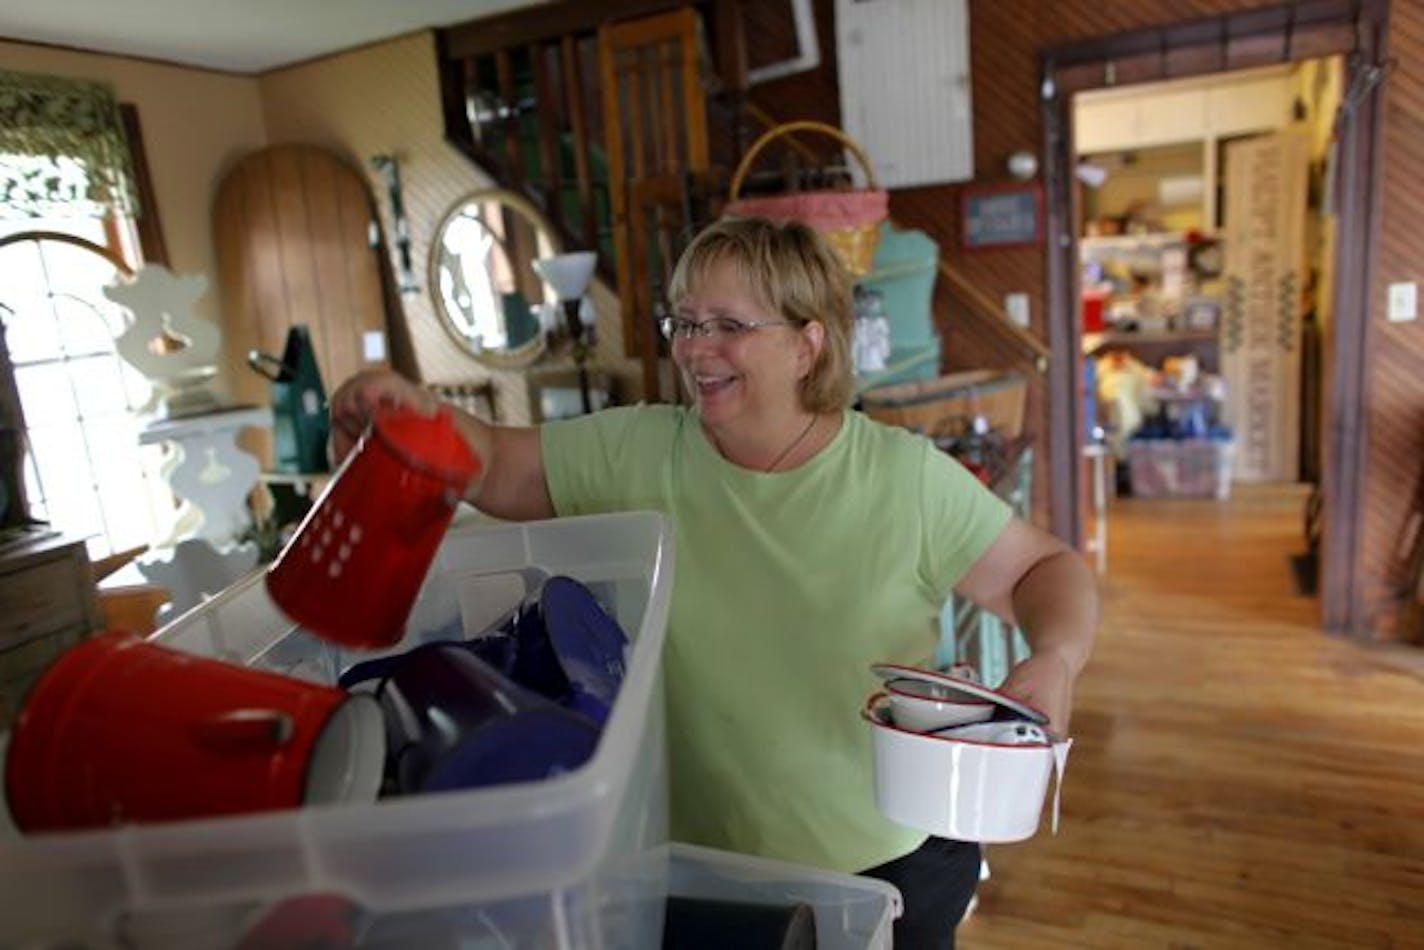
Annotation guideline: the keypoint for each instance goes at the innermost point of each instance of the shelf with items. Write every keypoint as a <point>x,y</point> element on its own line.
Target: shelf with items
<point>1175,399</point>
<point>1152,295</point>
<point>1210,391</point>
<point>1155,348</point>
<point>1148,254</point>
<point>1094,343</point>
<point>1151,241</point>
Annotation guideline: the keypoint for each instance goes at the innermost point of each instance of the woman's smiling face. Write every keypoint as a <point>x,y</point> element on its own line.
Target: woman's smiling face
<point>746,376</point>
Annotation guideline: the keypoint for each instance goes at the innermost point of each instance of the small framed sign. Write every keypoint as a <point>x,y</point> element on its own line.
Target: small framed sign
<point>1007,214</point>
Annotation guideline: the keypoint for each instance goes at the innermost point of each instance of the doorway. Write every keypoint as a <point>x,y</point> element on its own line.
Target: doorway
<point>1163,149</point>
<point>1205,233</point>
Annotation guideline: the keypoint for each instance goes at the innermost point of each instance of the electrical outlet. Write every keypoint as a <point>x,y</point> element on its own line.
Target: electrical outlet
<point>1403,302</point>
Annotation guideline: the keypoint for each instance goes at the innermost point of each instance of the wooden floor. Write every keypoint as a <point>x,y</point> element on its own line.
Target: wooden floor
<point>1238,779</point>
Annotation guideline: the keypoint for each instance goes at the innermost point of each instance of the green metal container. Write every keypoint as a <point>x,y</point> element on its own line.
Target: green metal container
<point>300,421</point>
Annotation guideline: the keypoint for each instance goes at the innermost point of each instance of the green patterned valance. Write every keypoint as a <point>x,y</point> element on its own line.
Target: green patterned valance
<point>62,149</point>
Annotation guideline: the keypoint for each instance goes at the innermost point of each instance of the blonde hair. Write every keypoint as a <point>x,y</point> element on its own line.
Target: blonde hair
<point>791,269</point>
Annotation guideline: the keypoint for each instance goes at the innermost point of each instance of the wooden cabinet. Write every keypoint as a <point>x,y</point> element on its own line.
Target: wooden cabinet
<point>1141,121</point>
<point>1183,111</point>
<point>1173,117</point>
<point>1105,125</point>
<point>1249,106</point>
<point>47,604</point>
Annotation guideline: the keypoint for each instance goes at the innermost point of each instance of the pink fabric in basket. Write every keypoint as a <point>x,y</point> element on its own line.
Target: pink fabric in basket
<point>822,210</point>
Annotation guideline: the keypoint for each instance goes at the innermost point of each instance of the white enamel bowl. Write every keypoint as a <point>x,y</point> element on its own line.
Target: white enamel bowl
<point>920,706</point>
<point>957,788</point>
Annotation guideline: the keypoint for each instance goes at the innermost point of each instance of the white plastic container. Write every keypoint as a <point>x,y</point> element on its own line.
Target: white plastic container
<point>572,862</point>
<point>852,912</point>
<point>960,789</point>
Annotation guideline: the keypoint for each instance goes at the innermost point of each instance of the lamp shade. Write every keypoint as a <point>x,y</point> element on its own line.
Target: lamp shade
<point>568,274</point>
<point>1091,175</point>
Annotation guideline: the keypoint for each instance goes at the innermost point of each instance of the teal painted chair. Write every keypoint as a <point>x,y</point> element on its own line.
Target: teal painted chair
<point>906,264</point>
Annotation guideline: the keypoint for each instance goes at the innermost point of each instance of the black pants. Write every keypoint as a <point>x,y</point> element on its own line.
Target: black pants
<point>937,881</point>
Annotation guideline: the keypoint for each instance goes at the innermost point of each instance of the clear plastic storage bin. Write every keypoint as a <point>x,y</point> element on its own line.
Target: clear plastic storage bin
<point>577,861</point>
<point>852,912</point>
<point>1180,468</point>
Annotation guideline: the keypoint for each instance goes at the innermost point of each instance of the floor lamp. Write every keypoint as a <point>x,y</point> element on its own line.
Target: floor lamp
<point>569,275</point>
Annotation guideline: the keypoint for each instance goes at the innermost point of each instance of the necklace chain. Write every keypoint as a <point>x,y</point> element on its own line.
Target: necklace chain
<point>794,442</point>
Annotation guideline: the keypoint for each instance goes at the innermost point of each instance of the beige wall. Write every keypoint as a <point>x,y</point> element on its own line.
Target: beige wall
<point>381,99</point>
<point>196,124</point>
<point>377,99</point>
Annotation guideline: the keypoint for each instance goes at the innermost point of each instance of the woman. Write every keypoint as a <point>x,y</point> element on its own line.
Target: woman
<point>811,542</point>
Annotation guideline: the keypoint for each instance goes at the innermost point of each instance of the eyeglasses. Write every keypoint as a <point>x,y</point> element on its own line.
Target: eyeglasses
<point>715,328</point>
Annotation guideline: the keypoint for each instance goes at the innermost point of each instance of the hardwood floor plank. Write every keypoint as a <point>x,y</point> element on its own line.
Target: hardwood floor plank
<point>1238,779</point>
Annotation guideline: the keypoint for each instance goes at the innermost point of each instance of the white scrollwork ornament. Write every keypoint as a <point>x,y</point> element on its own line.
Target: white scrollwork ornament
<point>166,341</point>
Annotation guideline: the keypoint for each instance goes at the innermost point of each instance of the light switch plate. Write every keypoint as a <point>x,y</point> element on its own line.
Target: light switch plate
<point>1016,306</point>
<point>1403,301</point>
<point>373,346</point>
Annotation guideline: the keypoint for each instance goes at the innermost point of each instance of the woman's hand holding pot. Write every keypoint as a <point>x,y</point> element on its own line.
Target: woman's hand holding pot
<point>355,402</point>
<point>1045,682</point>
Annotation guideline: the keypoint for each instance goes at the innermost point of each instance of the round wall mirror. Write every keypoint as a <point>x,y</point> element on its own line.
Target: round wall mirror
<point>482,277</point>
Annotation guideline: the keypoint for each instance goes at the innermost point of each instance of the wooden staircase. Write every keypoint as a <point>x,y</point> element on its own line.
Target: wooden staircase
<point>600,115</point>
<point>524,99</point>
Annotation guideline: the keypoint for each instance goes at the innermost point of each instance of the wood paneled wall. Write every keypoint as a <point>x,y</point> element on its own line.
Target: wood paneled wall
<point>1006,37</point>
<point>1395,351</point>
<point>815,92</point>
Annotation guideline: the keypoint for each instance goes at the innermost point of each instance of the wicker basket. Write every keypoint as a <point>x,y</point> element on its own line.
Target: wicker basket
<point>947,405</point>
<point>849,219</point>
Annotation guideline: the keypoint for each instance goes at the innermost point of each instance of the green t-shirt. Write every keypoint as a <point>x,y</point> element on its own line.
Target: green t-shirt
<point>788,586</point>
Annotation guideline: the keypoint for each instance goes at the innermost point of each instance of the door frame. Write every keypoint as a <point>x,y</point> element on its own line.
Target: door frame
<point>1357,29</point>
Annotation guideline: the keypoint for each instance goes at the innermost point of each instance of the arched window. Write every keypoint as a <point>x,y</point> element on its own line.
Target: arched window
<point>84,471</point>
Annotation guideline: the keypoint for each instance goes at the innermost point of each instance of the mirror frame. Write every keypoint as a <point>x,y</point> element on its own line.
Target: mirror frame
<point>526,353</point>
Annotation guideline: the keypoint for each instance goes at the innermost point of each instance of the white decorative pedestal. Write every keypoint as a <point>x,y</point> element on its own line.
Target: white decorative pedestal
<point>208,471</point>
<point>166,341</point>
<point>200,552</point>
<point>212,477</point>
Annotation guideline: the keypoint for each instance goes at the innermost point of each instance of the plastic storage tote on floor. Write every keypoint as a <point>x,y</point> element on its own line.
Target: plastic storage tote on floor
<point>1180,468</point>
<point>852,912</point>
<point>577,861</point>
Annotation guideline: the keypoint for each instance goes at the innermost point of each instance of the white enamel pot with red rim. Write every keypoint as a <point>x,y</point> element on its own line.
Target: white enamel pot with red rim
<point>962,788</point>
<point>983,782</point>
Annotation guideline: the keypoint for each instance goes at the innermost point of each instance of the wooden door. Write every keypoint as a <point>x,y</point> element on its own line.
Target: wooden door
<point>654,125</point>
<point>664,213</point>
<point>293,226</point>
<point>1266,179</point>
